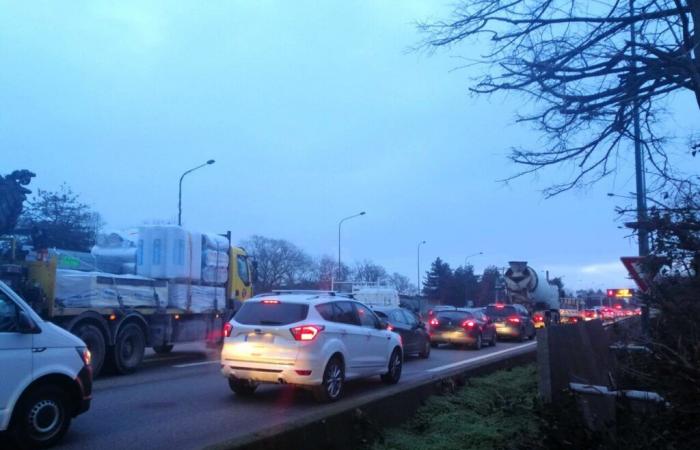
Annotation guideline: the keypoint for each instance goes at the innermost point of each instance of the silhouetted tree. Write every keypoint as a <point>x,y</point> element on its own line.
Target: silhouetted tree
<point>487,285</point>
<point>12,197</point>
<point>438,282</point>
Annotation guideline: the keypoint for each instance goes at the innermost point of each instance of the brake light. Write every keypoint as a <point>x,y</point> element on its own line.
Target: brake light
<point>228,328</point>
<point>514,319</point>
<point>306,332</point>
<point>304,373</point>
<point>270,302</point>
<point>500,306</point>
<point>468,324</point>
<point>434,322</point>
<point>389,327</point>
<point>538,318</point>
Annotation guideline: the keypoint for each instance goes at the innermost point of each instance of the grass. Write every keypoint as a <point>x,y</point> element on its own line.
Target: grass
<point>495,411</point>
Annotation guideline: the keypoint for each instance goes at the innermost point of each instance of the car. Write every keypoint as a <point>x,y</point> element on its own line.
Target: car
<point>605,313</point>
<point>462,326</point>
<point>46,375</point>
<point>314,341</point>
<point>512,321</point>
<point>590,314</point>
<point>414,335</point>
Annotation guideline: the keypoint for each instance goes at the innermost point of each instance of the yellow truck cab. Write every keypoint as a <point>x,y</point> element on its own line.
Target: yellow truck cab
<point>240,275</point>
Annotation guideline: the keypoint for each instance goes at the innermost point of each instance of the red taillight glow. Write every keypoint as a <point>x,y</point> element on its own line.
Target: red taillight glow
<point>305,373</point>
<point>589,313</point>
<point>468,324</point>
<point>434,322</point>
<point>228,328</point>
<point>270,302</point>
<point>538,318</point>
<point>306,332</point>
<point>514,319</point>
<point>389,327</point>
<point>500,306</point>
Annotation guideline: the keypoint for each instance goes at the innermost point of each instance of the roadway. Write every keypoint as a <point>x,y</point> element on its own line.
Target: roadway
<point>182,401</point>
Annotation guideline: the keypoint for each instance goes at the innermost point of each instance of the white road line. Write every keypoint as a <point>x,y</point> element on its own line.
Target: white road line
<point>180,366</point>
<point>479,358</point>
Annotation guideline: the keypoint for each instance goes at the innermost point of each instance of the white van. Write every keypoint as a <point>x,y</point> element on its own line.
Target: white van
<point>45,372</point>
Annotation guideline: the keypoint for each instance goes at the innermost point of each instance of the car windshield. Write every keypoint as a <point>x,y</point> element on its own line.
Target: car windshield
<point>264,313</point>
<point>501,311</point>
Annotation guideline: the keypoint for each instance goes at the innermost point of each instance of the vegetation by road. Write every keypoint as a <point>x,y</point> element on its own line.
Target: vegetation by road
<point>493,411</point>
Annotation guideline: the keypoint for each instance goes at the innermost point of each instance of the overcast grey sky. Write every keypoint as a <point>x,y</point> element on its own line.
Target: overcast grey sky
<point>312,110</point>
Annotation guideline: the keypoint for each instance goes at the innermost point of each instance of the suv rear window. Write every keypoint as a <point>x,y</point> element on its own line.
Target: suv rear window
<point>505,311</point>
<point>259,313</point>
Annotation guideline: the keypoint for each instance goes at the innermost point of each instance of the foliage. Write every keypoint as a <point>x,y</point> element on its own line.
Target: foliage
<point>487,285</point>
<point>369,272</point>
<point>579,63</point>
<point>58,219</point>
<point>438,283</point>
<point>279,263</point>
<point>493,411</point>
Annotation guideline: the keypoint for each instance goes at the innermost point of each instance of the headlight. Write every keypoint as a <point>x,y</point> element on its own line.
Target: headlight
<point>85,355</point>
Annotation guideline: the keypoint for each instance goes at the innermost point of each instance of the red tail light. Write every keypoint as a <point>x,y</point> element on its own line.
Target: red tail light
<point>500,306</point>
<point>468,324</point>
<point>389,327</point>
<point>228,328</point>
<point>434,322</point>
<point>270,302</point>
<point>306,332</point>
<point>514,319</point>
<point>538,318</point>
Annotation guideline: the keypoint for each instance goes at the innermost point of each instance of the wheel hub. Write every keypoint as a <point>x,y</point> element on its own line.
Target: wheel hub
<point>44,416</point>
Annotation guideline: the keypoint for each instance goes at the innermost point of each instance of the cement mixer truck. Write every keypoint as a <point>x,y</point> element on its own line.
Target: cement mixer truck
<point>524,286</point>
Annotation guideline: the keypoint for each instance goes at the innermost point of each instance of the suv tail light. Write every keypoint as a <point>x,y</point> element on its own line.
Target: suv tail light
<point>538,318</point>
<point>228,328</point>
<point>434,322</point>
<point>514,319</point>
<point>306,332</point>
<point>468,324</point>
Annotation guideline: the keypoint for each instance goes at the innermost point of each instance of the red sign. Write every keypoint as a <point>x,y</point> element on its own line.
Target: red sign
<point>633,264</point>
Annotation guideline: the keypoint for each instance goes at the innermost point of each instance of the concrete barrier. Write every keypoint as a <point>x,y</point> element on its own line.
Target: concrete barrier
<point>344,425</point>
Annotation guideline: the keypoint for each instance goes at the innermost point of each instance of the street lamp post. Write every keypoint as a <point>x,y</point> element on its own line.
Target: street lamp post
<point>466,258</point>
<point>339,226</point>
<point>418,271</point>
<point>179,195</point>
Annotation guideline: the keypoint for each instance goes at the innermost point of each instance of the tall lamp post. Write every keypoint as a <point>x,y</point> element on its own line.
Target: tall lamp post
<point>466,258</point>
<point>340,224</point>
<point>179,195</point>
<point>418,283</point>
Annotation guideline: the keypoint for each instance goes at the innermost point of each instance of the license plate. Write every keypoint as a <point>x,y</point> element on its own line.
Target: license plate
<point>261,338</point>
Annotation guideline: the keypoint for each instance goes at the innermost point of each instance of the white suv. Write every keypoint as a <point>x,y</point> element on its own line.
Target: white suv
<point>45,372</point>
<point>311,340</point>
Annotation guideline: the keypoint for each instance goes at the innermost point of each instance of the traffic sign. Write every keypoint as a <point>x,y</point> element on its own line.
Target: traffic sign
<point>633,264</point>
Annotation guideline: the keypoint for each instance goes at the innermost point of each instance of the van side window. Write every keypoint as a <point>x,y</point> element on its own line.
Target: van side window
<point>8,314</point>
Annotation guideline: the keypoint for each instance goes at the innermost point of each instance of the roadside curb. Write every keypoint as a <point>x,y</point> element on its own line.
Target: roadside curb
<point>343,425</point>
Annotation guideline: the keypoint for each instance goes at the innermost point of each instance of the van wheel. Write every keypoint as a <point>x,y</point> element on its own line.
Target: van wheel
<point>331,389</point>
<point>393,374</point>
<point>129,348</point>
<point>41,418</point>
<point>163,349</point>
<point>95,341</point>
<point>244,388</point>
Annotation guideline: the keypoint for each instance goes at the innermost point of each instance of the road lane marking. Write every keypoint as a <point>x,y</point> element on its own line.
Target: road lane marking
<point>479,358</point>
<point>179,366</point>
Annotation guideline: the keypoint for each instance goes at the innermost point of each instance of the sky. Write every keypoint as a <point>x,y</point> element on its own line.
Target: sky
<point>313,111</point>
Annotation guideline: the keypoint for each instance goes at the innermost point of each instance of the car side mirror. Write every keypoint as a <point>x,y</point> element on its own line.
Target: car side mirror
<point>26,325</point>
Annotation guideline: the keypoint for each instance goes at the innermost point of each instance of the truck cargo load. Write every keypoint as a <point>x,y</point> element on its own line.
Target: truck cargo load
<point>195,298</point>
<point>77,289</point>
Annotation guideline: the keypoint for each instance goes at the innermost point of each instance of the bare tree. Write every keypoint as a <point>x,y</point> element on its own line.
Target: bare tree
<point>279,263</point>
<point>584,70</point>
<point>370,272</point>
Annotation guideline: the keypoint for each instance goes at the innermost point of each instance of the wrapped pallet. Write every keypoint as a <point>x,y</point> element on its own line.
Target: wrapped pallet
<point>76,289</point>
<point>215,259</point>
<point>115,252</point>
<point>169,252</point>
<point>196,298</point>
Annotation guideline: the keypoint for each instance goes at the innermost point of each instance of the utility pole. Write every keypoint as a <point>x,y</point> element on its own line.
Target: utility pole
<point>340,224</point>
<point>179,194</point>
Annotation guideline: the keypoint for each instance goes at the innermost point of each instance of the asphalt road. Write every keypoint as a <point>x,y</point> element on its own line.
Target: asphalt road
<point>182,401</point>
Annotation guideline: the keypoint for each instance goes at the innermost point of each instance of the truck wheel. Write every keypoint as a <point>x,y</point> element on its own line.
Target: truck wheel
<point>41,418</point>
<point>95,341</point>
<point>163,349</point>
<point>129,348</point>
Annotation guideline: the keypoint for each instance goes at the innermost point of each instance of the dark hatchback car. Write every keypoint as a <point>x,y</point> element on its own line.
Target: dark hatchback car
<point>512,321</point>
<point>416,339</point>
<point>462,326</point>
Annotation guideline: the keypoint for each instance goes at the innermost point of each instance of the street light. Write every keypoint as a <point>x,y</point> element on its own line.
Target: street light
<point>179,196</point>
<point>418,271</point>
<point>469,256</point>
<point>339,225</point>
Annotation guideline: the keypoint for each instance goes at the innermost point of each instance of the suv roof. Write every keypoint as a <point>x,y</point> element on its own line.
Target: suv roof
<point>309,297</point>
